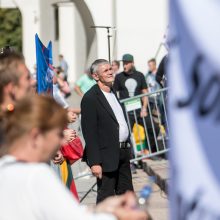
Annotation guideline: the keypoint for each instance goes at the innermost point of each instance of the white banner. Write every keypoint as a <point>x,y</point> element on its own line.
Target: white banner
<point>194,101</point>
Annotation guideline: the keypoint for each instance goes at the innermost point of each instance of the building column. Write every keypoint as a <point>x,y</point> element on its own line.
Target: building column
<point>30,26</point>
<point>67,32</point>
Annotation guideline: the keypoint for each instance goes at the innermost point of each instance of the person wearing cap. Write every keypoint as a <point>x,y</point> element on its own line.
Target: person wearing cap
<point>131,83</point>
<point>106,134</point>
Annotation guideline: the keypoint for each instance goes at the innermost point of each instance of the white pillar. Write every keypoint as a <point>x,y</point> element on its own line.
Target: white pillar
<point>102,12</point>
<point>47,25</point>
<point>67,37</point>
<point>30,26</point>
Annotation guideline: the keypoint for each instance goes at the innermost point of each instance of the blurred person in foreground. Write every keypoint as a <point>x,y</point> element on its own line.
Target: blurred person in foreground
<point>15,80</point>
<point>15,84</point>
<point>33,132</point>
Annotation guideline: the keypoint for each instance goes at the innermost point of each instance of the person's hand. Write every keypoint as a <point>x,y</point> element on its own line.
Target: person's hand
<point>123,207</point>
<point>71,116</point>
<point>69,135</point>
<point>58,159</point>
<point>143,112</point>
<point>97,171</point>
<point>75,110</point>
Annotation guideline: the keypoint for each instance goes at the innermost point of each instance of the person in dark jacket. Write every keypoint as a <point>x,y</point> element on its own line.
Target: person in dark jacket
<point>161,77</point>
<point>106,134</point>
<point>131,83</point>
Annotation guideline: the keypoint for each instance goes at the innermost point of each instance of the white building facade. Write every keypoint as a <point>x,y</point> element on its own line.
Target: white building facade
<point>139,28</point>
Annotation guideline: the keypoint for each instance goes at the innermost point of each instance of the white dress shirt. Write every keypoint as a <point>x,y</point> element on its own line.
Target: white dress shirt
<point>118,112</point>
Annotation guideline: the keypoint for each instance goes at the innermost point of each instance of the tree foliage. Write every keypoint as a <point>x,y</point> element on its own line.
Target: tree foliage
<point>11,28</point>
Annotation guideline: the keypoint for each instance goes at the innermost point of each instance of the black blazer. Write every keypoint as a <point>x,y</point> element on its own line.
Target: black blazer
<point>100,130</point>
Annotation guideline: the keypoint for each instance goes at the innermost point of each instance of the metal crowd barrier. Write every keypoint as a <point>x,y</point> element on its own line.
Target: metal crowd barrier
<point>152,139</point>
<point>150,134</point>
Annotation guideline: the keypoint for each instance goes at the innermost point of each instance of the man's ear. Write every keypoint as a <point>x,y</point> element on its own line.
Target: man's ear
<point>95,76</point>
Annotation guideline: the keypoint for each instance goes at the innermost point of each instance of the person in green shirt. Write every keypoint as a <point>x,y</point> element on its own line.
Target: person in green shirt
<point>84,83</point>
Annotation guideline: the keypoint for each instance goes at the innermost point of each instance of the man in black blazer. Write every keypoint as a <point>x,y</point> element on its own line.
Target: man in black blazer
<point>106,134</point>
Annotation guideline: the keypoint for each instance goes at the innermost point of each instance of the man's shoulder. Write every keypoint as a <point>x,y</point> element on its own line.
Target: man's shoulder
<point>120,75</point>
<point>91,93</point>
<point>138,73</point>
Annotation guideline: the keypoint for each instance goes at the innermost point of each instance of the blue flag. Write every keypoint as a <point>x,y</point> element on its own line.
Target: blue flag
<point>44,67</point>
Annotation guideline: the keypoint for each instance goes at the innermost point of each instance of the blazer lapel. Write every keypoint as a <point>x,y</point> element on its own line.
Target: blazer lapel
<point>105,103</point>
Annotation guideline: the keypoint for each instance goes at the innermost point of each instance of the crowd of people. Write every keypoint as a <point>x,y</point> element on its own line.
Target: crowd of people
<point>32,131</point>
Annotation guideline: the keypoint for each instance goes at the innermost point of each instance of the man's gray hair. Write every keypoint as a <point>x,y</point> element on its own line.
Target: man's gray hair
<point>95,65</point>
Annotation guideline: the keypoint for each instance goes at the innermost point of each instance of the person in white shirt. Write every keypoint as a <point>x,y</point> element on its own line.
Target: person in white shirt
<point>29,189</point>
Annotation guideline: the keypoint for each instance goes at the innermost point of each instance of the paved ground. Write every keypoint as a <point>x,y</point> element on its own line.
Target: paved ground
<point>158,202</point>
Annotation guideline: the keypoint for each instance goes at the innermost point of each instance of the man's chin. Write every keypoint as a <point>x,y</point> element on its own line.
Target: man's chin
<point>109,83</point>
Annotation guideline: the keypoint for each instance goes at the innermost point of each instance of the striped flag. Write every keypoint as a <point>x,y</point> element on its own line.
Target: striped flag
<point>67,177</point>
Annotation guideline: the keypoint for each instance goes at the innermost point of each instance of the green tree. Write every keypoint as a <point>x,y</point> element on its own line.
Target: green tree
<point>10,28</point>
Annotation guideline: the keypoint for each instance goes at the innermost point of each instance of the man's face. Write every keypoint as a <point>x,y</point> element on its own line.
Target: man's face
<point>128,66</point>
<point>24,84</point>
<point>105,74</point>
<point>152,66</point>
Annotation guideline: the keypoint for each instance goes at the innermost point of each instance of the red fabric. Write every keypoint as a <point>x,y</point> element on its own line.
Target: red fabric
<point>73,190</point>
<point>73,150</point>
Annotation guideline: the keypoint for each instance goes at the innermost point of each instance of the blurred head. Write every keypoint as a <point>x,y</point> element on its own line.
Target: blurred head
<point>15,81</point>
<point>152,65</point>
<point>6,49</point>
<point>128,62</point>
<point>88,73</point>
<point>115,66</point>
<point>60,57</point>
<point>101,71</point>
<point>58,70</point>
<point>33,129</point>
